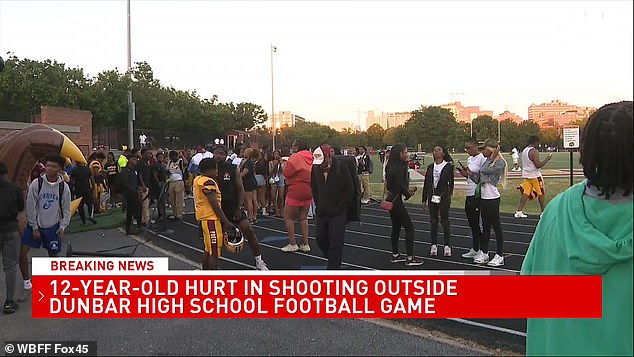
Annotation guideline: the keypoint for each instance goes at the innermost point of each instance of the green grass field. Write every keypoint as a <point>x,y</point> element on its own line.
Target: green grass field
<point>560,160</point>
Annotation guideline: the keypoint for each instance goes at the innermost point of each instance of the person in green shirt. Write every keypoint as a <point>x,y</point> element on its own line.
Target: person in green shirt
<point>587,230</point>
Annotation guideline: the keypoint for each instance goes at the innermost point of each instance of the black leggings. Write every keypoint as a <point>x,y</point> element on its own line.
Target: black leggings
<point>133,209</point>
<point>490,211</point>
<point>443,209</point>
<point>86,197</point>
<point>473,216</point>
<point>400,218</point>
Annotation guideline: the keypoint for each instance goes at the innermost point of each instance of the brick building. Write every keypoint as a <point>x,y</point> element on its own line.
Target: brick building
<point>465,114</point>
<point>74,123</point>
<point>557,114</point>
<point>509,116</point>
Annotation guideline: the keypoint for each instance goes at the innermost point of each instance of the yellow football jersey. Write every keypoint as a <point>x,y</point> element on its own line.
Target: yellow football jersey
<point>204,211</point>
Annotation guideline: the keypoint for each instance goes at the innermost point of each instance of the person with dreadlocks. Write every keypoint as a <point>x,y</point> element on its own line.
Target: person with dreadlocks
<point>587,230</point>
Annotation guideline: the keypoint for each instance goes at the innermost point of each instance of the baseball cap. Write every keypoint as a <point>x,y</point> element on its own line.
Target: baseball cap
<point>320,154</point>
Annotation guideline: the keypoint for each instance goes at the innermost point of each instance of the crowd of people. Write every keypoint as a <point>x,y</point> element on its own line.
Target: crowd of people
<point>585,230</point>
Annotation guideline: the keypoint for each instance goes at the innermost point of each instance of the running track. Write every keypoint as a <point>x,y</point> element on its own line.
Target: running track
<point>367,247</point>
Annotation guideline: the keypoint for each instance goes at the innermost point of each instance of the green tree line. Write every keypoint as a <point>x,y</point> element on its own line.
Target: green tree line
<point>26,85</point>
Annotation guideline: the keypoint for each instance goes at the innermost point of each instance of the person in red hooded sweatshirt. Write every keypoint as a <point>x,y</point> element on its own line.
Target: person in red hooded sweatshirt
<point>299,194</point>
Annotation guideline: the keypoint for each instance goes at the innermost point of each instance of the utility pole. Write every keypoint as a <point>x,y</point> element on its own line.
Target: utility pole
<point>131,109</point>
<point>273,49</point>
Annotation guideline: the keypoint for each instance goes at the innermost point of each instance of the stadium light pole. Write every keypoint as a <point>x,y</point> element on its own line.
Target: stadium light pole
<point>273,49</point>
<point>131,111</point>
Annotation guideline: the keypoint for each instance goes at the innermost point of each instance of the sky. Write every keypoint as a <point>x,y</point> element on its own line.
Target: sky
<point>335,59</point>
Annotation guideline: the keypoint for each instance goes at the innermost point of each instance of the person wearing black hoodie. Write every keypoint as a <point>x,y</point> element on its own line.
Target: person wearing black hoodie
<point>437,191</point>
<point>397,186</point>
<point>12,202</point>
<point>332,188</point>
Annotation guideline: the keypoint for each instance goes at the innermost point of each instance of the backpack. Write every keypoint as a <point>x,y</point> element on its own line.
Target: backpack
<point>40,182</point>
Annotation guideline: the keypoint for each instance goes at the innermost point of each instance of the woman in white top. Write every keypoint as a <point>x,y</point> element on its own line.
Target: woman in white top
<point>437,191</point>
<point>492,172</point>
<point>471,204</point>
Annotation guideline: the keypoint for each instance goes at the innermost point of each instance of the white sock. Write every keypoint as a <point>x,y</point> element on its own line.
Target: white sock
<point>258,258</point>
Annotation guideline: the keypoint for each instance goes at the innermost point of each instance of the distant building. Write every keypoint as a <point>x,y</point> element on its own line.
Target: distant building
<point>510,116</point>
<point>386,119</point>
<point>557,114</point>
<point>465,114</point>
<point>341,125</point>
<point>284,119</point>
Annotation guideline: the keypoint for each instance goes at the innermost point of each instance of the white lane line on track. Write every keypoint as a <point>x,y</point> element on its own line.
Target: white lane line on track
<point>452,225</point>
<point>262,244</point>
<point>368,206</point>
<point>466,249</point>
<point>452,234</point>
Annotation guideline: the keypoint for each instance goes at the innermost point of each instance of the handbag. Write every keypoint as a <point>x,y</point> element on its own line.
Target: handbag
<point>478,191</point>
<point>387,205</point>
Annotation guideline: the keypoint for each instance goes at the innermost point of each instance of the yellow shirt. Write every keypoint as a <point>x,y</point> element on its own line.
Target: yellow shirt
<point>204,210</point>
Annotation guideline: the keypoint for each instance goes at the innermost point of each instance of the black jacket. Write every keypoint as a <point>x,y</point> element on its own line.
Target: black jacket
<point>397,180</point>
<point>332,195</point>
<point>11,203</point>
<point>445,183</point>
<point>128,181</point>
<point>354,206</point>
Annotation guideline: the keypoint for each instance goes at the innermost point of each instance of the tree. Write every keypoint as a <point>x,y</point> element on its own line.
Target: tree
<point>394,136</point>
<point>485,127</point>
<point>429,126</point>
<point>246,115</point>
<point>374,135</point>
<point>550,137</point>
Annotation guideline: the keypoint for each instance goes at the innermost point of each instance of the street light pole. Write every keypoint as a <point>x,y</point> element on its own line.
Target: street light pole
<point>273,49</point>
<point>131,111</point>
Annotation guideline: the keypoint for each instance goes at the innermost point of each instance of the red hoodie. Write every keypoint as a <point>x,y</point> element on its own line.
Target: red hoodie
<point>297,175</point>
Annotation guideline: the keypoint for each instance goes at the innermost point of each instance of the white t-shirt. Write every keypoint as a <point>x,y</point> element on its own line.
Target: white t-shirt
<point>142,138</point>
<point>196,159</point>
<point>515,154</point>
<point>489,192</point>
<point>437,170</point>
<point>474,163</point>
<point>529,170</point>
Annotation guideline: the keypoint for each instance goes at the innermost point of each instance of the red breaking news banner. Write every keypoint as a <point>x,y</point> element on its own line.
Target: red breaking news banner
<point>144,288</point>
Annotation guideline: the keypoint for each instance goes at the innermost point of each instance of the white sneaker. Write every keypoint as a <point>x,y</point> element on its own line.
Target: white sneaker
<point>470,254</point>
<point>365,201</point>
<point>481,258</point>
<point>434,250</point>
<point>264,212</point>
<point>304,248</point>
<point>447,251</point>
<point>261,265</point>
<point>290,248</point>
<point>520,214</point>
<point>497,261</point>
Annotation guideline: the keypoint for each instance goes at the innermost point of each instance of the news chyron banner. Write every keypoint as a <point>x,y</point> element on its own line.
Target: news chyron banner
<point>146,288</point>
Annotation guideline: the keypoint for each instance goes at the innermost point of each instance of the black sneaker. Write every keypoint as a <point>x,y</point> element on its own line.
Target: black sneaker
<point>414,261</point>
<point>399,258</point>
<point>10,306</point>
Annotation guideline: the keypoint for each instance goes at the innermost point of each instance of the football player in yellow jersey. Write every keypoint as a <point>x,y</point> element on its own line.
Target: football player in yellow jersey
<point>212,220</point>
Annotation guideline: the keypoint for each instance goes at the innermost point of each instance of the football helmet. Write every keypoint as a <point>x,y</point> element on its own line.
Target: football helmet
<point>234,240</point>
